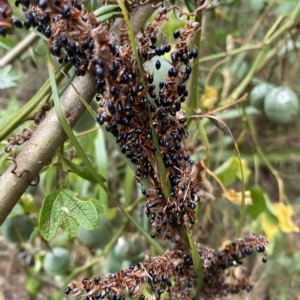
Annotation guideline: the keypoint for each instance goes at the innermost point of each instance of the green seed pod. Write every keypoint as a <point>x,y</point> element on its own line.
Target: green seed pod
<point>258,94</point>
<point>17,229</point>
<point>99,237</point>
<point>57,262</point>
<point>281,105</point>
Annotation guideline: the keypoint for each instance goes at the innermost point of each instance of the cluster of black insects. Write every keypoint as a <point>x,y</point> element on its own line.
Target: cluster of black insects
<point>129,105</point>
<point>146,119</point>
<point>158,273</point>
<point>65,23</point>
<point>126,103</point>
<point>216,262</point>
<point>174,273</point>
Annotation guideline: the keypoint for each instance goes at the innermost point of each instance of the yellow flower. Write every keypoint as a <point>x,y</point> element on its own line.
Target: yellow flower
<point>209,97</point>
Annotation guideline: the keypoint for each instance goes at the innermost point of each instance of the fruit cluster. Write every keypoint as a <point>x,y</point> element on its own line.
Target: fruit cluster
<point>280,104</point>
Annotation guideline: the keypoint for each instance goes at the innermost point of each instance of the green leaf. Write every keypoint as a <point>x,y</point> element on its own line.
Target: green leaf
<point>260,204</point>
<point>112,15</point>
<point>286,7</point>
<point>7,79</point>
<point>66,126</point>
<point>227,171</point>
<point>100,207</point>
<point>103,10</point>
<point>35,233</point>
<point>190,5</point>
<point>33,284</point>
<point>82,171</point>
<point>7,43</point>
<point>246,171</point>
<point>63,208</point>
<point>257,5</point>
<point>198,266</point>
<point>107,12</point>
<point>230,170</point>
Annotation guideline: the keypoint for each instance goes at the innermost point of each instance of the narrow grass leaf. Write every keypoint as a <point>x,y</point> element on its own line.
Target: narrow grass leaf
<point>197,262</point>
<point>100,207</point>
<point>81,171</point>
<point>66,126</point>
<point>106,9</point>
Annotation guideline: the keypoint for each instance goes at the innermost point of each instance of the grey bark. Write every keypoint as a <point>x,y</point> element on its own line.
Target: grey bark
<point>45,140</point>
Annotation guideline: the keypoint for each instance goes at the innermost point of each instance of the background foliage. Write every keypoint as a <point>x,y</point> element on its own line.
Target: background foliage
<point>269,152</point>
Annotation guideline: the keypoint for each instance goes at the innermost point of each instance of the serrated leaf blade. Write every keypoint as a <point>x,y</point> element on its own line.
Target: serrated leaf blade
<point>100,207</point>
<point>7,79</point>
<point>63,208</point>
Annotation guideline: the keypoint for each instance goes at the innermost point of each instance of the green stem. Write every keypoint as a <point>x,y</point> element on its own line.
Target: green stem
<point>194,103</point>
<point>194,96</point>
<point>241,87</point>
<point>198,266</point>
<point>264,158</point>
<point>230,53</point>
<point>135,203</point>
<point>204,140</point>
<point>269,38</point>
<point>243,205</point>
<point>272,53</point>
<point>251,35</point>
<point>195,73</point>
<point>256,169</point>
<point>282,29</point>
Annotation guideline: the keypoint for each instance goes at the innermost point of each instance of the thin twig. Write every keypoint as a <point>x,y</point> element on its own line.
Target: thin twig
<point>18,49</point>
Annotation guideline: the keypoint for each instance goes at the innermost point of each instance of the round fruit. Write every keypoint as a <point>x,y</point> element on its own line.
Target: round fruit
<point>17,229</point>
<point>99,237</point>
<point>121,248</point>
<point>57,262</point>
<point>129,248</point>
<point>281,105</point>
<point>258,94</point>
